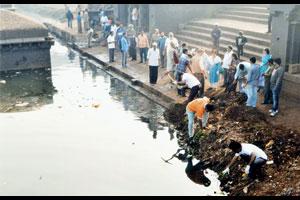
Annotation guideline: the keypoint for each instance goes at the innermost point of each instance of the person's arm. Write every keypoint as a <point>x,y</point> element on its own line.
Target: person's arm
<point>189,67</point>
<point>230,164</point>
<point>252,158</point>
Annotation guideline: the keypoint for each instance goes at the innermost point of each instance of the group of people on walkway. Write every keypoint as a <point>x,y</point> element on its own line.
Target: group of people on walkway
<point>189,68</point>
<point>82,19</point>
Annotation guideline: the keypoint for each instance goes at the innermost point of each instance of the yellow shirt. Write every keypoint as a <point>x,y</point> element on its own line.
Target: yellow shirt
<point>197,106</point>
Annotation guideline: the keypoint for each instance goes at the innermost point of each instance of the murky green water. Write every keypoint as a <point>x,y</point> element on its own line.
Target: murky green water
<point>79,131</point>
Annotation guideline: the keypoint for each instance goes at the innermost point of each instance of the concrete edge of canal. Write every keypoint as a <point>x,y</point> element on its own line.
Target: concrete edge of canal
<point>155,95</point>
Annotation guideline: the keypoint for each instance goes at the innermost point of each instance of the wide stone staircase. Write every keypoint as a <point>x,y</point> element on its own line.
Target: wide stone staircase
<point>252,19</point>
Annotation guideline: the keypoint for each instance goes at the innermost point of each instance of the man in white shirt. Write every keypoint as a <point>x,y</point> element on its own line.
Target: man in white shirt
<point>254,156</point>
<point>192,82</point>
<point>153,62</point>
<point>225,64</point>
<point>111,46</point>
<point>90,34</point>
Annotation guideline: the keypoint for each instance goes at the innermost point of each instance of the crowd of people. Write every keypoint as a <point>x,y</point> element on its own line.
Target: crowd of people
<point>189,68</point>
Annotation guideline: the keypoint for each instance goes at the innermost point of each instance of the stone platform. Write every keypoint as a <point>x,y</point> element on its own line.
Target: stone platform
<point>24,43</point>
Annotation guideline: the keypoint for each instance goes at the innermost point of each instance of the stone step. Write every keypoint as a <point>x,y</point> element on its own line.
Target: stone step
<point>242,18</point>
<point>195,30</point>
<point>251,9</point>
<point>233,27</point>
<point>208,43</point>
<point>223,40</point>
<point>264,15</point>
<point>221,52</point>
<point>254,5</point>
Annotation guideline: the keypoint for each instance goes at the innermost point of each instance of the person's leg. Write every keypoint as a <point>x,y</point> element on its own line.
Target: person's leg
<point>141,55</point>
<point>255,168</point>
<point>145,55</point>
<point>151,74</point>
<point>254,96</point>
<point>225,77</point>
<point>275,100</point>
<point>242,50</point>
<point>126,54</point>
<point>123,59</point>
<point>193,93</point>
<point>191,116</point>
<point>202,81</point>
<point>155,75</point>
<point>248,91</point>
<point>189,167</point>
<point>238,51</point>
<point>113,55</point>
<point>267,91</point>
<point>109,55</point>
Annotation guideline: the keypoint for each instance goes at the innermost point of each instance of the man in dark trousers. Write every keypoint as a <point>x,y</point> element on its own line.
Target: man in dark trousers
<point>216,34</point>
<point>240,41</point>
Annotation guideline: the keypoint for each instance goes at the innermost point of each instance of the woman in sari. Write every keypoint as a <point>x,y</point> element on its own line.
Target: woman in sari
<point>214,69</point>
<point>170,50</point>
<point>263,67</point>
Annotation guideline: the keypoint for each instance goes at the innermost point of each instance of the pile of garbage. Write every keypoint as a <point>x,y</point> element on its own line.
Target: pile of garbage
<point>233,120</point>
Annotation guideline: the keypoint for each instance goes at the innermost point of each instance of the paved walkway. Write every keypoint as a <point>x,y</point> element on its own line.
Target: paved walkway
<point>289,111</point>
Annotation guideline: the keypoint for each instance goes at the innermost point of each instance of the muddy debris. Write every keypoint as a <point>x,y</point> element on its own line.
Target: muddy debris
<point>233,120</point>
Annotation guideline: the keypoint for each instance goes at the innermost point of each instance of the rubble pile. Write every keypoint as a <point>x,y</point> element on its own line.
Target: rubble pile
<point>233,120</point>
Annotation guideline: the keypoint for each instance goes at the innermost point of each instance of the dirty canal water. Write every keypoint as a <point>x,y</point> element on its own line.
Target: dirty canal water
<point>76,130</point>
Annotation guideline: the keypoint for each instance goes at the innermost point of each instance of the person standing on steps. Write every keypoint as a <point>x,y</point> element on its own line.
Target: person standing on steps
<point>276,85</point>
<point>69,18</point>
<point>263,67</point>
<point>216,34</point>
<point>161,45</point>
<point>131,35</point>
<point>111,46</point>
<point>155,36</point>
<point>153,62</point>
<point>225,64</point>
<point>231,86</point>
<point>124,50</point>
<point>90,34</point>
<point>86,24</point>
<point>240,41</point>
<point>143,45</point>
<point>267,89</point>
<point>252,83</point>
<point>214,68</point>
<point>79,24</point>
<point>251,154</point>
<point>200,108</point>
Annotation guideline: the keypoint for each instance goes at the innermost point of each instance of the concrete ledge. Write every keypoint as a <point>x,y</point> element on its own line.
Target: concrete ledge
<point>294,68</point>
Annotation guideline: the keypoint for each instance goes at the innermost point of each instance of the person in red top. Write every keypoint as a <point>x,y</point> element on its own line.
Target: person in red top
<point>201,108</point>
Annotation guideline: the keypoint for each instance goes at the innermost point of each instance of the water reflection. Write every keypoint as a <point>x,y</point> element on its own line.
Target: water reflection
<point>145,109</point>
<point>26,90</point>
<point>71,55</point>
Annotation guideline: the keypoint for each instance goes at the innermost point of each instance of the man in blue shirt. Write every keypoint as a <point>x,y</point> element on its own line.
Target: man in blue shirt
<point>119,33</point>
<point>124,49</point>
<point>161,46</point>
<point>252,83</point>
<point>181,68</point>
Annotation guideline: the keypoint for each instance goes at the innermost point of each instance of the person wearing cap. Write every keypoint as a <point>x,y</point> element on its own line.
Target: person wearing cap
<point>240,41</point>
<point>225,64</point>
<point>153,62</point>
<point>276,85</point>
<point>200,108</point>
<point>216,34</point>
<point>251,154</point>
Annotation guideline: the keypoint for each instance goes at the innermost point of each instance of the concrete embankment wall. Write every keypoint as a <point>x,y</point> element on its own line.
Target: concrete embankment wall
<point>24,43</point>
